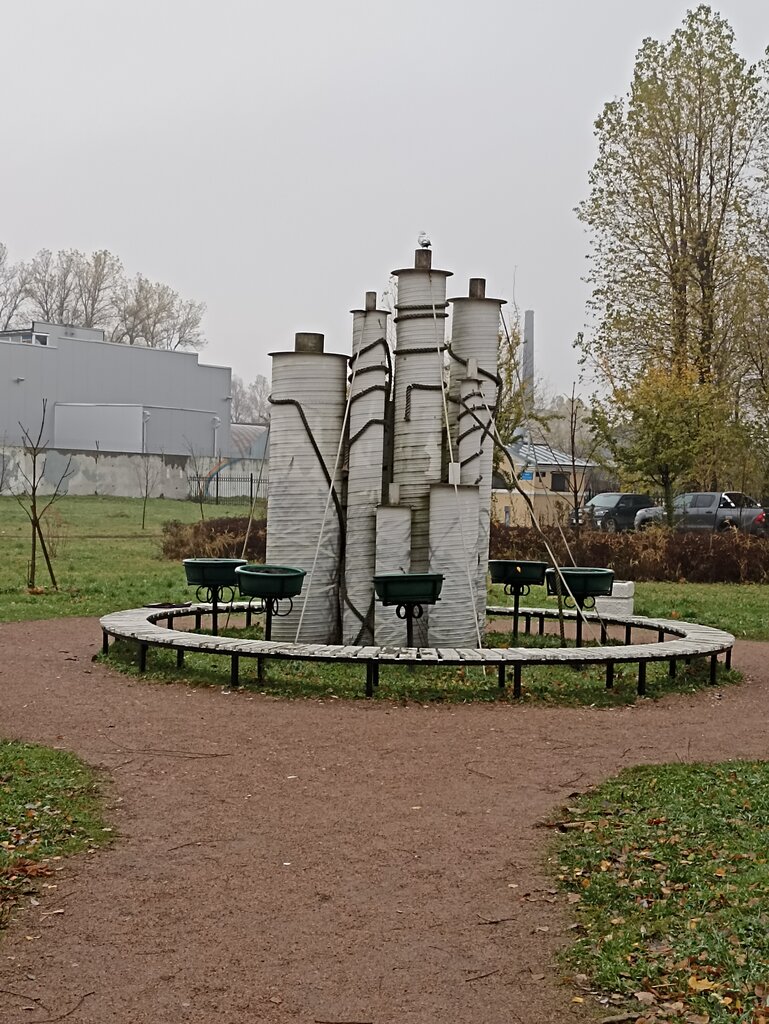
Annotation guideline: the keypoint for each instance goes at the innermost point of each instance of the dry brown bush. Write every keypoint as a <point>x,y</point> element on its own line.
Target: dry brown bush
<point>657,554</point>
<point>214,538</point>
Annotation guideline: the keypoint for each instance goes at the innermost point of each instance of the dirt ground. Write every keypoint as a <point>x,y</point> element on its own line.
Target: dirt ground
<point>315,861</point>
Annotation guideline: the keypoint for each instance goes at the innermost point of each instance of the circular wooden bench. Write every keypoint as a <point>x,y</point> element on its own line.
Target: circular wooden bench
<point>672,641</point>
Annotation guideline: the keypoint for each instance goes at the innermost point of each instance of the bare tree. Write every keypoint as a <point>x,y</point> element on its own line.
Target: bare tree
<point>250,402</point>
<point>4,465</point>
<point>153,314</point>
<point>52,287</point>
<point>572,445</point>
<point>130,305</point>
<point>13,291</point>
<point>196,480</point>
<point>98,276</point>
<point>29,499</point>
<point>70,287</point>
<point>183,328</point>
<point>91,290</point>
<point>579,464</point>
<point>147,473</point>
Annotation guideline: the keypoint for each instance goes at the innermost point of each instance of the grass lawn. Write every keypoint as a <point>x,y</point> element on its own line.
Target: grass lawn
<point>740,608</point>
<point>49,807</point>
<point>102,559</point>
<point>104,562</point>
<point>666,869</point>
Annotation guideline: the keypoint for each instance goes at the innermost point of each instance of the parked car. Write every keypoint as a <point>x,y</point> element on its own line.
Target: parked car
<point>611,512</point>
<point>710,510</point>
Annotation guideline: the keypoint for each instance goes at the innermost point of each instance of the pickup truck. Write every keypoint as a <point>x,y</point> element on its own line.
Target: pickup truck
<point>710,510</point>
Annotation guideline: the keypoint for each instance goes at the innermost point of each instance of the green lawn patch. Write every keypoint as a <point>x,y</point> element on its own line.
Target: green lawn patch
<point>666,869</point>
<point>742,609</point>
<point>103,559</point>
<point>49,807</point>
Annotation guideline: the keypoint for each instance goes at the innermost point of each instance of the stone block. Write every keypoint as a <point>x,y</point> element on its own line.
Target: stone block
<point>621,600</point>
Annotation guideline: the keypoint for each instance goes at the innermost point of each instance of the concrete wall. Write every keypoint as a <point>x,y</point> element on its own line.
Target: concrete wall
<point>117,475</point>
<point>118,427</point>
<point>185,399</point>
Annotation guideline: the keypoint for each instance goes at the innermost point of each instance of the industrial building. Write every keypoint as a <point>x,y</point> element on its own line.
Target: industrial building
<point>107,397</point>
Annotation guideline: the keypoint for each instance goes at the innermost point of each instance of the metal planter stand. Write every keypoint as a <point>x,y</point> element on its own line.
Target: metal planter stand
<point>518,577</point>
<point>212,577</point>
<point>269,585</point>
<point>584,584</point>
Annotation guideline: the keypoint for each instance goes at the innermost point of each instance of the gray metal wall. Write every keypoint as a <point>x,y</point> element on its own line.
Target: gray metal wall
<point>181,396</point>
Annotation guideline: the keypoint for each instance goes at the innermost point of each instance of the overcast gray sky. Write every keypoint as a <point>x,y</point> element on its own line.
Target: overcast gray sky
<point>277,160</point>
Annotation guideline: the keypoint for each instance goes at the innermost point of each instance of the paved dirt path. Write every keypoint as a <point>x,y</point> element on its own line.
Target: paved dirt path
<point>304,861</point>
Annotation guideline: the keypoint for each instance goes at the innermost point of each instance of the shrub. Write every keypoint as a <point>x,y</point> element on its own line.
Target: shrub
<point>215,538</point>
<point>657,554</point>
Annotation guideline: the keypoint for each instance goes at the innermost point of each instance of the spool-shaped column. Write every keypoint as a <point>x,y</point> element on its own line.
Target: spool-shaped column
<point>418,399</point>
<point>474,336</point>
<point>475,343</point>
<point>306,419</point>
<point>475,447</point>
<point>454,552</point>
<point>393,554</point>
<point>369,394</point>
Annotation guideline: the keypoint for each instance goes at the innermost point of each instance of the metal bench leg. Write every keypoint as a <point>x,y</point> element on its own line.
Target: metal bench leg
<point>142,657</point>
<point>728,661</point>
<point>541,625</point>
<point>260,670</point>
<point>179,657</point>
<point>501,676</point>
<point>234,664</point>
<point>104,642</point>
<point>713,668</point>
<point>372,677</point>
<point>604,634</point>
<point>628,635</point>
<point>609,675</point>
<point>517,679</point>
<point>641,678</point>
<point>672,668</point>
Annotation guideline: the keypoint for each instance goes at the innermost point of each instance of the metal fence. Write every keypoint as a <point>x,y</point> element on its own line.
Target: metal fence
<point>227,488</point>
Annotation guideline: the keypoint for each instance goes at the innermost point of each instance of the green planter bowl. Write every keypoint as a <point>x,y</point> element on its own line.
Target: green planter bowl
<point>513,573</point>
<point>408,587</point>
<point>582,581</point>
<point>276,581</point>
<point>212,572</point>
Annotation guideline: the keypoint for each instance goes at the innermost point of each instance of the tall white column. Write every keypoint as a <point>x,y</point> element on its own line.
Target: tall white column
<point>369,393</point>
<point>306,418</point>
<point>419,404</point>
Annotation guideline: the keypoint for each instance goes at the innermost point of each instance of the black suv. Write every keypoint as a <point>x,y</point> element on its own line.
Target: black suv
<point>611,512</point>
